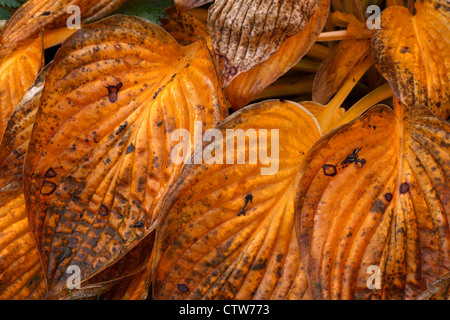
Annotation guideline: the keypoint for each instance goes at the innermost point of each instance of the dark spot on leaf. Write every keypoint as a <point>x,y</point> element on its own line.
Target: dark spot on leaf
<point>139,224</point>
<point>130,149</point>
<point>50,173</point>
<point>404,187</point>
<point>48,188</point>
<point>113,92</point>
<point>103,211</point>
<point>121,128</point>
<point>183,288</point>
<point>388,197</point>
<point>329,170</point>
<point>66,253</point>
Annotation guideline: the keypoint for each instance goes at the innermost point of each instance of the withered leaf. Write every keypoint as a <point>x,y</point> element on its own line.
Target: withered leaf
<point>17,135</point>
<point>20,63</point>
<point>250,84</point>
<point>84,136</point>
<point>227,229</point>
<point>245,33</point>
<point>35,15</point>
<point>412,53</point>
<point>21,274</point>
<point>386,209</point>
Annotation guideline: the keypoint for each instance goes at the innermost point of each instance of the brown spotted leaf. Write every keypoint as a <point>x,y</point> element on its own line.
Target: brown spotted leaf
<point>336,67</point>
<point>413,54</point>
<point>438,290</point>
<point>184,5</point>
<point>374,197</point>
<point>248,85</point>
<point>99,159</point>
<point>35,15</point>
<point>227,225</point>
<point>21,274</point>
<point>184,27</point>
<point>245,33</point>
<point>17,135</point>
<point>19,65</point>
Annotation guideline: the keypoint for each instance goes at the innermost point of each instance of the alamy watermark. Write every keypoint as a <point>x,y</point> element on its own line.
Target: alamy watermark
<point>213,153</point>
<point>374,17</point>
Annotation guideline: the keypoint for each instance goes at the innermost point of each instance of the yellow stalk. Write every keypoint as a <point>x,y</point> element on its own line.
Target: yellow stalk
<point>342,35</point>
<point>376,96</point>
<point>55,37</point>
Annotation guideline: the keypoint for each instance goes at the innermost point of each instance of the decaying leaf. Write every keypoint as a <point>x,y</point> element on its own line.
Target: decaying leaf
<point>99,159</point>
<point>250,84</point>
<point>19,65</point>
<point>184,5</point>
<point>21,275</point>
<point>245,33</point>
<point>227,229</point>
<point>412,53</point>
<point>373,206</point>
<point>184,27</point>
<point>35,15</point>
<point>336,67</point>
<point>438,290</point>
<point>17,135</point>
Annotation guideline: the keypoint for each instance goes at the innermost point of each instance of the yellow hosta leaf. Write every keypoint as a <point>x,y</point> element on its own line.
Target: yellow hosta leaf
<point>413,54</point>
<point>19,65</point>
<point>373,209</point>
<point>227,229</point>
<point>15,141</point>
<point>99,159</point>
<point>21,275</point>
<point>35,15</point>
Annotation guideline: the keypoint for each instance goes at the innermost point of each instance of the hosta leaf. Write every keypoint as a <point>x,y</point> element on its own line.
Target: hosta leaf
<point>99,159</point>
<point>413,54</point>
<point>184,27</point>
<point>374,196</point>
<point>184,5</point>
<point>21,275</point>
<point>19,65</point>
<point>336,67</point>
<point>227,229</point>
<point>245,33</point>
<point>438,290</point>
<point>35,15</point>
<point>17,135</point>
<point>250,84</point>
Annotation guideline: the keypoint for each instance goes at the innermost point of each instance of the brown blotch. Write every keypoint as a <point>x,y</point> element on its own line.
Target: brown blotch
<point>139,224</point>
<point>48,188</point>
<point>183,288</point>
<point>388,197</point>
<point>329,170</point>
<point>50,173</point>
<point>113,92</point>
<point>103,211</point>
<point>404,187</point>
<point>130,149</point>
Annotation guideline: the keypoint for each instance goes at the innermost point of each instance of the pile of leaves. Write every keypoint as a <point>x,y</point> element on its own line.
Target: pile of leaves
<point>358,117</point>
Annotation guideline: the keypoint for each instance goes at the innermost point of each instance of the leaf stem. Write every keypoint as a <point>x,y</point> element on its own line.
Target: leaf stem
<point>376,96</point>
<point>342,35</point>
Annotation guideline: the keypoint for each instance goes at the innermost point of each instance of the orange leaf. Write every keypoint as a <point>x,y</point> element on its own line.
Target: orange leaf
<point>250,84</point>
<point>19,65</point>
<point>412,53</point>
<point>21,275</point>
<point>336,68</point>
<point>227,229</point>
<point>374,198</point>
<point>17,135</point>
<point>246,33</point>
<point>184,5</point>
<point>184,27</point>
<point>35,15</point>
<point>99,159</point>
